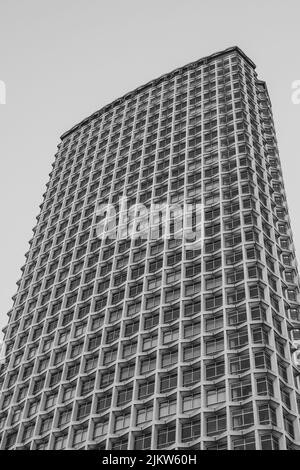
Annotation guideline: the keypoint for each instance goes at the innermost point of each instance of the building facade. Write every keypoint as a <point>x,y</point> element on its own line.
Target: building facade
<point>136,341</point>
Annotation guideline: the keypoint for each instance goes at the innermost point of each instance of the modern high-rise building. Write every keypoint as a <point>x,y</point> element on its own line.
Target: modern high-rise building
<point>132,336</point>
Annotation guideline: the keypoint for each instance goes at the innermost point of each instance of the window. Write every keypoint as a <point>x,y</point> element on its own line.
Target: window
<point>168,382</point>
<point>42,445</point>
<point>110,356</point>
<point>213,302</point>
<point>191,402</point>
<point>34,406</point>
<point>262,360</point>
<point>65,416</point>
<point>144,415</point>
<point>171,314</point>
<point>100,429</point>
<point>192,289</point>
<point>127,371</point>
<point>122,422</point>
<point>172,277</point>
<point>170,335</point>
<point>192,309</point>
<point>258,313</point>
<point>289,425</point>
<point>214,396</point>
<point>76,349</point>
<point>242,418</point>
<point>107,377</point>
<point>264,386</point>
<point>91,363</point>
<point>60,442</point>
<point>103,403</point>
<point>135,289</point>
<point>94,341</point>
<point>190,430</point>
<point>260,335</point>
<point>143,441</point>
<point>132,327</point>
<point>28,431</point>
<point>169,358</point>
<point>167,408</point>
<point>46,424</point>
<point>69,393</point>
<point>236,296</point>
<point>149,342</point>
<point>214,370</point>
<point>214,345</point>
<point>244,443</point>
<point>215,424</point>
<point>115,315</point>
<point>80,436</point>
<point>191,352</point>
<point>191,376</point>
<point>55,378</point>
<point>80,330</point>
<point>146,389</point>
<point>173,259</point>
<point>172,294</point>
<point>239,364</point>
<point>124,396</point>
<point>238,340</point>
<point>235,276</point>
<point>213,323</point>
<point>241,390</point>
<point>155,265</point>
<point>213,282</point>
<point>129,349</point>
<point>285,395</point>
<point>256,292</point>
<point>87,385</point>
<point>97,322</point>
<point>148,364</point>
<point>11,439</point>
<point>133,309</point>
<point>64,336</point>
<point>112,335</point>
<point>267,415</point>
<point>254,271</point>
<point>17,414</point>
<point>153,301</point>
<point>154,283</point>
<point>166,436</point>
<point>269,442</point>
<point>73,370</point>
<point>117,296</point>
<point>233,257</point>
<point>60,356</point>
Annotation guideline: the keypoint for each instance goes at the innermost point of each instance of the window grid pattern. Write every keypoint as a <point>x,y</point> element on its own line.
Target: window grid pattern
<point>151,344</point>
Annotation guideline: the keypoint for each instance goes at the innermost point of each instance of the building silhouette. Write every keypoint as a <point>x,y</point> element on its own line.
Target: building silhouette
<point>129,336</point>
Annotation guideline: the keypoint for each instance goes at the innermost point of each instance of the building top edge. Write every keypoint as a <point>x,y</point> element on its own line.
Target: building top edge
<point>155,81</point>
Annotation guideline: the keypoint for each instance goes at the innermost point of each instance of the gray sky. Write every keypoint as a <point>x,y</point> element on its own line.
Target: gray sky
<point>61,60</point>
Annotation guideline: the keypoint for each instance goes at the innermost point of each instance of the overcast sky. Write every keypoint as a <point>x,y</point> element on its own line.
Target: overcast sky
<point>61,60</point>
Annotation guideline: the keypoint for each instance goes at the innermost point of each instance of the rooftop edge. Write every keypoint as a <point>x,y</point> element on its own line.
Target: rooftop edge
<point>178,70</point>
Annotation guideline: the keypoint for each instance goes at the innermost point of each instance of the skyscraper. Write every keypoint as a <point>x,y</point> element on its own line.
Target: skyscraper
<point>128,335</point>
